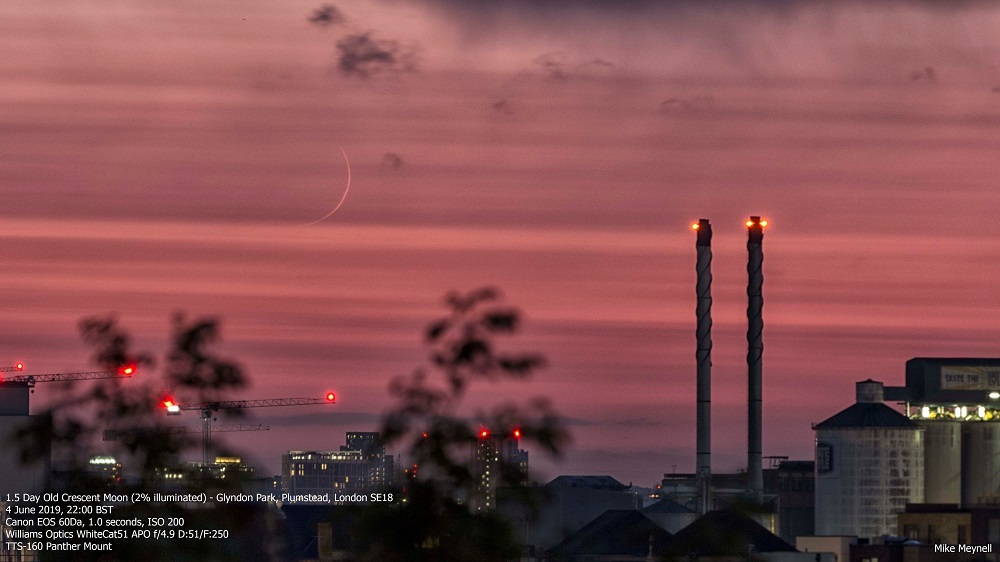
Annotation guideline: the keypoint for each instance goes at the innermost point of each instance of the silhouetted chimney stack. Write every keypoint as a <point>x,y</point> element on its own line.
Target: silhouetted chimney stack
<point>703,355</point>
<point>755,352</point>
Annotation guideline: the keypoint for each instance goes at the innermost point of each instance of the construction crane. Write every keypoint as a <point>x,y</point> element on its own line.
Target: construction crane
<point>208,409</point>
<point>125,371</point>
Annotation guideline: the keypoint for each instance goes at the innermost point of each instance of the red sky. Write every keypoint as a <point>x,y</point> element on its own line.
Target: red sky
<point>159,157</point>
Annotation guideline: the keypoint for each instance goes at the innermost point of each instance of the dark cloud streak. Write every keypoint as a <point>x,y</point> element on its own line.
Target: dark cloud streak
<point>392,161</point>
<point>320,418</point>
<point>755,38</point>
<point>362,55</point>
<point>625,422</point>
<point>503,107</point>
<point>555,8</point>
<point>327,15</point>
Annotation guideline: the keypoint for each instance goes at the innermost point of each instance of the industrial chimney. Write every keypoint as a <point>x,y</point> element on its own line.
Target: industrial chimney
<point>755,352</point>
<point>703,332</point>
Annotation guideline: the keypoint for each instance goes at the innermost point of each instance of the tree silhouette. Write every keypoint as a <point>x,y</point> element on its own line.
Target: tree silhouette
<point>434,521</point>
<point>73,425</point>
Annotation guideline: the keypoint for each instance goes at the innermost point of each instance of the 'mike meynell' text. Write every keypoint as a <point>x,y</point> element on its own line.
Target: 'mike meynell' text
<point>964,548</point>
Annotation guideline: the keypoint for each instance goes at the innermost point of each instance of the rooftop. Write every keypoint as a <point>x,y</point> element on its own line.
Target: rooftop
<point>867,414</point>
<point>591,482</point>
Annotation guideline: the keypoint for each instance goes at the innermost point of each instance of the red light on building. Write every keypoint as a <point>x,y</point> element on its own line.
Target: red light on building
<point>483,433</point>
<point>517,433</point>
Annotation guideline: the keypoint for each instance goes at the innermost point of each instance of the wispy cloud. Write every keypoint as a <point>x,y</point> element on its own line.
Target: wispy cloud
<point>392,161</point>
<point>320,418</point>
<point>327,15</point>
<point>363,55</point>
<point>610,422</point>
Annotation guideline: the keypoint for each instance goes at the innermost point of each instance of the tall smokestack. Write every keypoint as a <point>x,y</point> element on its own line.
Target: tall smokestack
<point>755,352</point>
<point>703,332</point>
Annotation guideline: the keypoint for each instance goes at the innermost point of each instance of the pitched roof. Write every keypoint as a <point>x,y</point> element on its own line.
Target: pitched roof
<point>667,505</point>
<point>615,533</point>
<point>592,482</point>
<point>725,533</point>
<point>867,414</point>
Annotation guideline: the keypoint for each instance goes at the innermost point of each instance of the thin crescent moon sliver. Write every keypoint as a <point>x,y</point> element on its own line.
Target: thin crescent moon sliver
<point>342,197</point>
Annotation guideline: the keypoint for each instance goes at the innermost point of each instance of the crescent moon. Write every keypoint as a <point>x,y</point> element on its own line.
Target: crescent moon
<point>342,197</point>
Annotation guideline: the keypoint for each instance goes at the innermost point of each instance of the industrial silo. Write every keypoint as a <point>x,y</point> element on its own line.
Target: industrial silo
<point>869,465</point>
<point>981,463</point>
<point>942,460</point>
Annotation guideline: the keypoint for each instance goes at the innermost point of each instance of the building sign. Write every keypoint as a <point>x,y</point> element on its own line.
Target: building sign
<point>824,458</point>
<point>970,378</point>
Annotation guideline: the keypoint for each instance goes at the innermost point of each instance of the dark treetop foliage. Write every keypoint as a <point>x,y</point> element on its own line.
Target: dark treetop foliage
<point>72,428</point>
<point>435,522</point>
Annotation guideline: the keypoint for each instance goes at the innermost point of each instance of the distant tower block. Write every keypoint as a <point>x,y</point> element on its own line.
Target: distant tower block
<point>496,454</point>
<point>14,398</point>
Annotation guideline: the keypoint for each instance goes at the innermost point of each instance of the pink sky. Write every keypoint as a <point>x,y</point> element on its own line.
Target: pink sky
<point>156,158</point>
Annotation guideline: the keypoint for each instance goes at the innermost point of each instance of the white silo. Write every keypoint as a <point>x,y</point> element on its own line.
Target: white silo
<point>981,463</point>
<point>942,460</point>
<point>869,465</point>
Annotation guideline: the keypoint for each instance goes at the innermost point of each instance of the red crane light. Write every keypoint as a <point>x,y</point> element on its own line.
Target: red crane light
<point>19,366</point>
<point>331,397</point>
<point>127,370</point>
<point>171,406</point>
